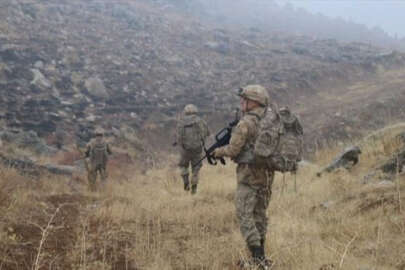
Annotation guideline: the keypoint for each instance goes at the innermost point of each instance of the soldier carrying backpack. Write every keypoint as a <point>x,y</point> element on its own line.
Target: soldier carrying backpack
<point>292,137</point>
<point>191,132</point>
<point>263,142</point>
<point>254,180</point>
<point>97,151</point>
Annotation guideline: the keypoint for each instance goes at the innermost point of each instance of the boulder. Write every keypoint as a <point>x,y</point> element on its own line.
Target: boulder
<point>39,79</point>
<point>28,167</point>
<point>61,169</point>
<point>23,166</point>
<point>96,88</point>
<point>29,140</point>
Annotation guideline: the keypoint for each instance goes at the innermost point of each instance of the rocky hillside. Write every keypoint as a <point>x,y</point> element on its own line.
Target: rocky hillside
<point>70,65</point>
<point>273,16</point>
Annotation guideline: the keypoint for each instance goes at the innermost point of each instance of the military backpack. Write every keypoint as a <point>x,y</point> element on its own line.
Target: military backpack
<point>279,142</point>
<point>191,136</point>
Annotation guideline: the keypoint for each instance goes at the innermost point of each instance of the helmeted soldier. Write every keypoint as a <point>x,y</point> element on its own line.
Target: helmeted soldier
<point>292,125</point>
<point>192,130</point>
<point>291,120</point>
<point>253,180</point>
<point>97,151</point>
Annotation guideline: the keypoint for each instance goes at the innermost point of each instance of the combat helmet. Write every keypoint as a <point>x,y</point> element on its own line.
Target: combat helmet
<point>190,109</point>
<point>285,112</point>
<point>256,93</point>
<point>285,109</point>
<point>99,131</point>
<point>286,116</point>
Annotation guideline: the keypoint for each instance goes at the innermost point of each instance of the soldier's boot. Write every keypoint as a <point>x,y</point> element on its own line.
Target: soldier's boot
<point>186,182</point>
<point>194,189</point>
<point>258,258</point>
<point>267,262</point>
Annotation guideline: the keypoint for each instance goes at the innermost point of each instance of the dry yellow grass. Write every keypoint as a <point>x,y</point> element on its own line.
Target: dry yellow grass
<point>149,222</point>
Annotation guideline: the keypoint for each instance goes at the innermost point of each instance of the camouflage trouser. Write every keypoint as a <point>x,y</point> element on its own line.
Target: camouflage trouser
<point>92,175</point>
<point>251,206</point>
<point>187,159</point>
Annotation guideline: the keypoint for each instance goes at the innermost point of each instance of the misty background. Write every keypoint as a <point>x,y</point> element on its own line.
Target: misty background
<point>388,15</point>
<point>372,22</point>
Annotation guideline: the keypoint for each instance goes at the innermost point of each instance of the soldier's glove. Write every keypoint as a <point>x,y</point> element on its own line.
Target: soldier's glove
<point>174,144</point>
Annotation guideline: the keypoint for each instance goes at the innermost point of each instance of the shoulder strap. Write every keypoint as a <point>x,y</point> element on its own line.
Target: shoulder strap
<point>256,115</point>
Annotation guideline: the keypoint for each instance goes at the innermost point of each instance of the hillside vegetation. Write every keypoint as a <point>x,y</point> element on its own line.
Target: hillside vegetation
<point>339,221</point>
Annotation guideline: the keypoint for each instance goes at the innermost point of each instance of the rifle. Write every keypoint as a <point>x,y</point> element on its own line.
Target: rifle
<point>222,138</point>
<point>82,152</point>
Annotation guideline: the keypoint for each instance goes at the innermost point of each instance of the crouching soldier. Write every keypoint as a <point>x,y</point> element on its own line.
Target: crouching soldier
<point>97,151</point>
<point>191,131</point>
<point>348,159</point>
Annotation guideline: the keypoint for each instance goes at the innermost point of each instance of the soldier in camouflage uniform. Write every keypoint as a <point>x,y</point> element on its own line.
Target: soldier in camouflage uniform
<point>348,159</point>
<point>291,119</point>
<point>253,181</point>
<point>97,151</point>
<point>191,131</point>
<point>293,125</point>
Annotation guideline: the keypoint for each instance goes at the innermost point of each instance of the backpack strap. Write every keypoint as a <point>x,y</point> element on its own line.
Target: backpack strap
<point>254,114</point>
<point>258,116</point>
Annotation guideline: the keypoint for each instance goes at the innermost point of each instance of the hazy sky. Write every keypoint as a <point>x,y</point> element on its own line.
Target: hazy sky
<point>388,14</point>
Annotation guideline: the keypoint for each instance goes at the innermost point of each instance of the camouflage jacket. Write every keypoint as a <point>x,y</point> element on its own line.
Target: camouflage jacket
<point>293,122</point>
<point>243,138</point>
<point>98,152</point>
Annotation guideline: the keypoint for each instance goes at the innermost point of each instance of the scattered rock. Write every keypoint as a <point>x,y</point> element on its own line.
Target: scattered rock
<point>327,204</point>
<point>219,47</point>
<point>386,183</point>
<point>39,79</point>
<point>28,140</point>
<point>39,65</point>
<point>25,166</point>
<point>61,169</point>
<point>142,61</point>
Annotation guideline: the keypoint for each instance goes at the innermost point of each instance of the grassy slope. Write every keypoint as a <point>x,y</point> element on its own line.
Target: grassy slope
<point>148,222</point>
